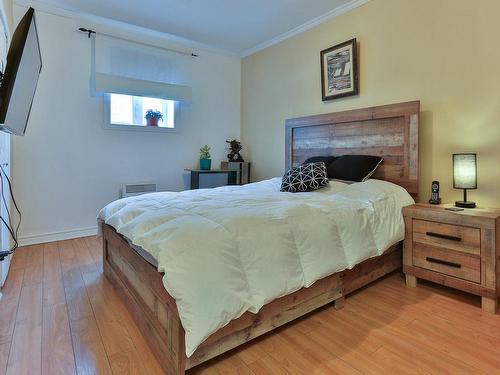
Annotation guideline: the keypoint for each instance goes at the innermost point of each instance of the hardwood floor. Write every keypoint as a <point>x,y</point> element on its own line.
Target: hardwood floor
<point>59,315</point>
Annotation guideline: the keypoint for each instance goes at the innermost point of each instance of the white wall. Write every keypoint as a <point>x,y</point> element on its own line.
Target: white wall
<point>7,8</point>
<point>5,140</point>
<point>67,166</point>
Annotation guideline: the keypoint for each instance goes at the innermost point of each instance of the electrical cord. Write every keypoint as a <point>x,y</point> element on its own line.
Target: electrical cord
<point>13,201</point>
<point>4,202</point>
<point>8,224</point>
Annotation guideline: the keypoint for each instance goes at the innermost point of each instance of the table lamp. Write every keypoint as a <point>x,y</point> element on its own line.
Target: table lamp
<point>465,176</point>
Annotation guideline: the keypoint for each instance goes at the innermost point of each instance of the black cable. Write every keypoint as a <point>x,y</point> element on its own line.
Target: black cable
<point>4,202</point>
<point>13,200</point>
<point>4,254</point>
<point>8,225</point>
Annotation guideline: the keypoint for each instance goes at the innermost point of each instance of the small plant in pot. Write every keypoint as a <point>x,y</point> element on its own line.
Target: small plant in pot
<point>205,161</point>
<point>152,117</point>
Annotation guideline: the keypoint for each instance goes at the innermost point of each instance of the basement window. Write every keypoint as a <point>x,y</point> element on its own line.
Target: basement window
<point>130,111</point>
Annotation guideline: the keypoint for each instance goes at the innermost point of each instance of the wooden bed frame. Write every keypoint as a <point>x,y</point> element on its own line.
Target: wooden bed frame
<point>390,131</point>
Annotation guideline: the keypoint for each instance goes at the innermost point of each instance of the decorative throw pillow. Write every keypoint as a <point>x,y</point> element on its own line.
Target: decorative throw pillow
<point>355,168</point>
<point>307,177</point>
<point>325,159</point>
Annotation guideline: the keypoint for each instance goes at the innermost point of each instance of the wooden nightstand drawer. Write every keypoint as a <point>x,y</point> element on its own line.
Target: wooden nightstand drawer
<point>459,249</point>
<point>455,237</point>
<point>448,262</point>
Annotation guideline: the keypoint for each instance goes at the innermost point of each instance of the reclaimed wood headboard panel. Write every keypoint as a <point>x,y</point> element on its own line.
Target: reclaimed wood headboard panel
<point>390,131</point>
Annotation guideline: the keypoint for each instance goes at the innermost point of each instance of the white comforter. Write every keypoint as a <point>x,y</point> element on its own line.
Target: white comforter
<point>233,249</point>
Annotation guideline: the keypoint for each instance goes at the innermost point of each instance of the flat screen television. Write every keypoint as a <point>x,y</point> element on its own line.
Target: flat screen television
<point>20,78</point>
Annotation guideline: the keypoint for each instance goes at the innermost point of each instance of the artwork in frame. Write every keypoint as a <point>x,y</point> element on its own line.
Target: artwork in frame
<point>339,70</point>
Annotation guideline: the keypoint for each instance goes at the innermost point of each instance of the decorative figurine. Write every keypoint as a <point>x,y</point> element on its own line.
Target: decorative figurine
<point>235,148</point>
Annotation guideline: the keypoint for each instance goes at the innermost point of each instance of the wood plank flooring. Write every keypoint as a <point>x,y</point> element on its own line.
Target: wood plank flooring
<point>59,315</point>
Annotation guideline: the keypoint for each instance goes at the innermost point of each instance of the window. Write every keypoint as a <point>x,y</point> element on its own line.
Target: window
<point>131,110</point>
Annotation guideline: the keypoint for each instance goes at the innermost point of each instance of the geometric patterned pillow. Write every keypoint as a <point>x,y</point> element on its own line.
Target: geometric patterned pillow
<point>306,177</point>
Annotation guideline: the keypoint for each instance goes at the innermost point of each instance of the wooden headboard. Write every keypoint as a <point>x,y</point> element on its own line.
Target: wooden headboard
<point>390,131</point>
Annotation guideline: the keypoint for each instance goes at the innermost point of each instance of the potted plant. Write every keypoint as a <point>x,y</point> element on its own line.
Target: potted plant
<point>205,161</point>
<point>152,117</point>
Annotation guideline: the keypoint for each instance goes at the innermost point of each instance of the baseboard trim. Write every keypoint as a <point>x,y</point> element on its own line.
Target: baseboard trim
<point>56,236</point>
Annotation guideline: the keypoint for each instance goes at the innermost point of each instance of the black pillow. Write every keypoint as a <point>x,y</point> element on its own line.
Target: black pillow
<point>316,159</point>
<point>307,177</point>
<point>355,168</point>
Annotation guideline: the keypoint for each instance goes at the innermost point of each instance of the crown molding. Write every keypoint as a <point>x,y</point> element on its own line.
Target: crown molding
<point>119,26</point>
<point>342,9</point>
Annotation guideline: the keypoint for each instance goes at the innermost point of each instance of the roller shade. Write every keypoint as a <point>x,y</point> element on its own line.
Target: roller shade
<point>129,68</point>
<point>122,85</point>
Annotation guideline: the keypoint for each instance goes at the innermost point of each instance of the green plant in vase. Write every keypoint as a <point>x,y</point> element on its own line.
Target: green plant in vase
<point>205,161</point>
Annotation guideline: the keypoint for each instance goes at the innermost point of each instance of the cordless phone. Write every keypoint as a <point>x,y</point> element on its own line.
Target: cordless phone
<point>435,199</point>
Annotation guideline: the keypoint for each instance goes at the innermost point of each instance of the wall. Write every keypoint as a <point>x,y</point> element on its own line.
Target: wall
<point>7,7</point>
<point>5,140</point>
<point>443,52</point>
<point>67,166</point>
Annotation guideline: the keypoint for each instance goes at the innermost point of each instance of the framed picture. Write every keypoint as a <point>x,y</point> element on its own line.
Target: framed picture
<point>339,70</point>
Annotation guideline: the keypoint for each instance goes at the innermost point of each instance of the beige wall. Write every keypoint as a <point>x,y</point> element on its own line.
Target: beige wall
<point>443,52</point>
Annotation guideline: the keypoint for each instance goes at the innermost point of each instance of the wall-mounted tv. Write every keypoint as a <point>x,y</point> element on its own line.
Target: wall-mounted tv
<point>20,78</point>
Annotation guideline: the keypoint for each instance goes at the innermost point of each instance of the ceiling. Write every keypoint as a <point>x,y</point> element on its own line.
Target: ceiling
<point>238,26</point>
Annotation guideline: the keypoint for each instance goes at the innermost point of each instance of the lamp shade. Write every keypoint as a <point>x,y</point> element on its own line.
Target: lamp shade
<point>464,171</point>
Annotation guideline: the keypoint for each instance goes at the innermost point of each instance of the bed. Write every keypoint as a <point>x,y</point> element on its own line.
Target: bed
<point>170,324</point>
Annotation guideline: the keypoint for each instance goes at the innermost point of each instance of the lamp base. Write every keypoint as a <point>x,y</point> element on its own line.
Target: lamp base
<point>467,204</point>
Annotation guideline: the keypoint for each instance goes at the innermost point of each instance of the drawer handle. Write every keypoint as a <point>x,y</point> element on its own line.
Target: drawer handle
<point>444,236</point>
<point>443,262</point>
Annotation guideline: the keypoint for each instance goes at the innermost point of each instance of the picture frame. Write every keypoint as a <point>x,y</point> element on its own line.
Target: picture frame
<point>339,70</point>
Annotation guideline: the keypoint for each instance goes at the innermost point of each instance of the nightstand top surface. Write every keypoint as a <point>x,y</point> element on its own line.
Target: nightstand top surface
<point>487,213</point>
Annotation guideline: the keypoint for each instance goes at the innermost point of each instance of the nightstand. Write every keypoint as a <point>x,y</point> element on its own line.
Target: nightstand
<point>458,249</point>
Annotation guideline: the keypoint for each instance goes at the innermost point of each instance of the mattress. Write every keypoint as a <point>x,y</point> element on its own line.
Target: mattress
<point>233,249</point>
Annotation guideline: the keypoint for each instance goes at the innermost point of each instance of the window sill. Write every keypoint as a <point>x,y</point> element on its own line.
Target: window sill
<point>137,128</point>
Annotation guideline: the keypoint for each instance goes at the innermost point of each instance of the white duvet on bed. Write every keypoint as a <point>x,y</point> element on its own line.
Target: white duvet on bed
<point>233,249</point>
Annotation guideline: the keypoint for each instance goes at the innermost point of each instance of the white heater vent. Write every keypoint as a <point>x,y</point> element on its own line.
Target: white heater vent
<point>129,190</point>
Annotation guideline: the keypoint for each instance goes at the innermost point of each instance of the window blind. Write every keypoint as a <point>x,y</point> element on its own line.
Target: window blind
<point>123,67</point>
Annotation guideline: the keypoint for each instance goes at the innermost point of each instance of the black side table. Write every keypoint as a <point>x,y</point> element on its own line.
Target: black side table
<point>195,176</point>
<point>242,167</point>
